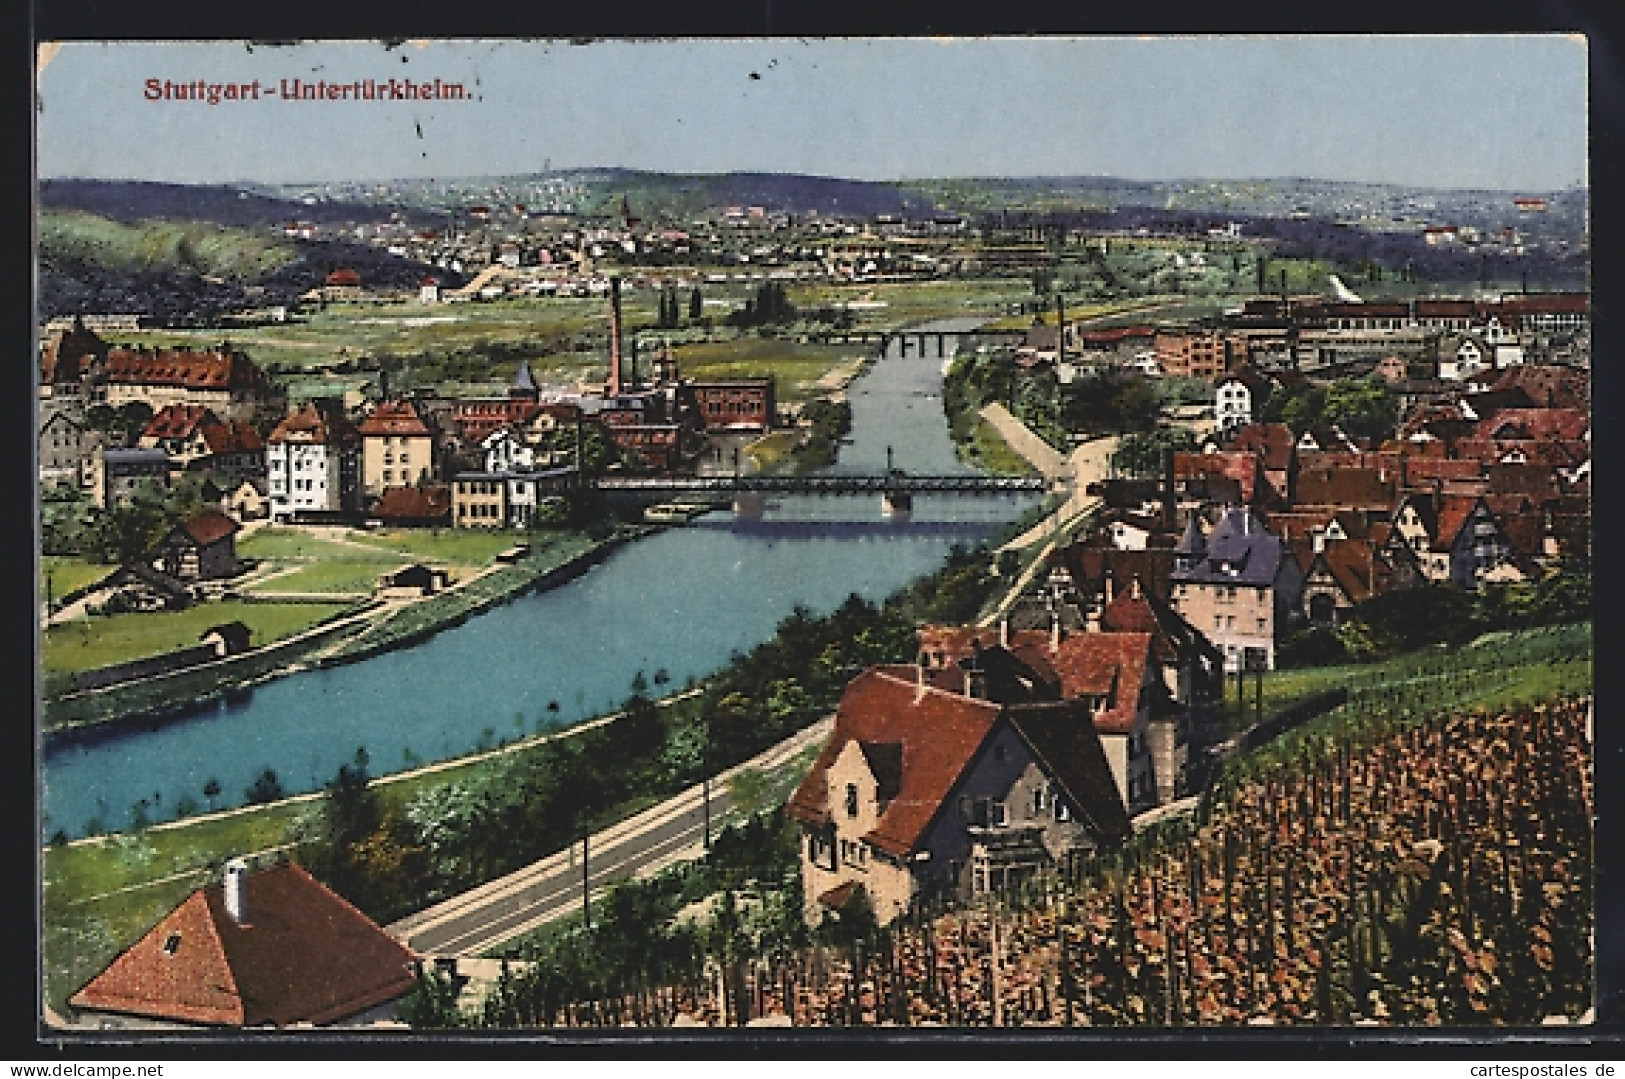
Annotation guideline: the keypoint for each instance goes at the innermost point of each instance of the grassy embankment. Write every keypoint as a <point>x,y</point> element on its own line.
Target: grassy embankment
<point>68,573</point>
<point>1495,670</point>
<point>549,552</point>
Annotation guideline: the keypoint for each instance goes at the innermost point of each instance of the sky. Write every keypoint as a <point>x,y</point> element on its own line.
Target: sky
<point>1484,111</point>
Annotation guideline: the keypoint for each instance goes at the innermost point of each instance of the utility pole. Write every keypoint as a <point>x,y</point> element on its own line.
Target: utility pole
<point>586,892</point>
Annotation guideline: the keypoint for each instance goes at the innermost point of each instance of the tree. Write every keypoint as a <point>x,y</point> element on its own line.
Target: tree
<point>1140,453</point>
<point>1363,408</point>
<point>265,788</point>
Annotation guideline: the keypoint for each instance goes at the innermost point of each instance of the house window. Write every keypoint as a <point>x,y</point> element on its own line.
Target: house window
<point>1063,812</point>
<point>851,799</point>
<point>997,815</point>
<point>1040,798</point>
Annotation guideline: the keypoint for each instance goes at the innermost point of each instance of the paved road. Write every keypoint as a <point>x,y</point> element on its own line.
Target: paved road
<point>480,919</point>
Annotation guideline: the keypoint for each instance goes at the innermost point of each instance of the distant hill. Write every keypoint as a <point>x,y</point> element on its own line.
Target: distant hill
<point>652,195</point>
<point>133,202</point>
<point>674,194</point>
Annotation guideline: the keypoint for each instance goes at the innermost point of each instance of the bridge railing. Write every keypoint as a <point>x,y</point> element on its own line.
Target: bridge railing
<point>836,484</point>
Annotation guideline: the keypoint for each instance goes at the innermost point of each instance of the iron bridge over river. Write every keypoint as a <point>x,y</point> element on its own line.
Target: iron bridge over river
<point>893,483</point>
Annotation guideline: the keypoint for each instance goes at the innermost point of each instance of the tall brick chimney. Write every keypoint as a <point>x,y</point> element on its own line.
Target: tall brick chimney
<point>615,337</point>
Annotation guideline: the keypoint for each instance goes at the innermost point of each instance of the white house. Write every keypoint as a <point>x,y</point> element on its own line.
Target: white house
<point>1235,395</point>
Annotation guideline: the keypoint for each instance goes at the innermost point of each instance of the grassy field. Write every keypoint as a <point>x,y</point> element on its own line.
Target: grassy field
<point>796,368</point>
<point>340,577</point>
<point>85,643</point>
<point>68,573</point>
<point>456,546</point>
<point>917,301</point>
<point>293,545</point>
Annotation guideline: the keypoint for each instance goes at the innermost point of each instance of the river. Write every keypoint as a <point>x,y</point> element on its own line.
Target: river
<point>680,602</point>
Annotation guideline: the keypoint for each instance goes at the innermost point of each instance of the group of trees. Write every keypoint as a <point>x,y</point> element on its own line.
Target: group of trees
<point>71,525</point>
<point>670,307</point>
<point>1364,408</point>
<point>1142,454</point>
<point>830,421</point>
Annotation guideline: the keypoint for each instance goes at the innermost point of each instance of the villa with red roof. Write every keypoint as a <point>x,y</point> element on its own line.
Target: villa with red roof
<point>263,949</point>
<point>974,769</point>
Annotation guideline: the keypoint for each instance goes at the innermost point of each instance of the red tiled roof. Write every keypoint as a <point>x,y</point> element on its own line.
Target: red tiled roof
<point>1556,424</point>
<point>412,503</point>
<point>1564,454</point>
<point>1110,665</point>
<point>309,420</point>
<point>1346,488</point>
<point>239,437</point>
<point>344,277</point>
<point>177,421</point>
<point>940,733</point>
<point>1424,470</point>
<point>1271,441</point>
<point>218,370</point>
<point>1352,564</point>
<point>304,955</point>
<point>1547,384</point>
<point>1242,467</point>
<point>394,418</point>
<point>1128,612</point>
<point>1454,510</point>
<point>210,526</point>
<point>1535,481</point>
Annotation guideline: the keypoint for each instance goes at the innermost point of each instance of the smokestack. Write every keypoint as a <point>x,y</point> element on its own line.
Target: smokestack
<point>1060,330</point>
<point>614,337</point>
<point>236,889</point>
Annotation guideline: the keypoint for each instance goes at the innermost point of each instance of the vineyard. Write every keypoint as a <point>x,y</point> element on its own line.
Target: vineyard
<point>1419,857</point>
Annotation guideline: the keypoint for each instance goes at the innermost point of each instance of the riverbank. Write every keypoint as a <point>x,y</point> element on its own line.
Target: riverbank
<point>356,633</point>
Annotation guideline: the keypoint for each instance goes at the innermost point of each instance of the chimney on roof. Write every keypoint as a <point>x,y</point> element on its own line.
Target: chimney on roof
<point>1055,631</point>
<point>1108,585</point>
<point>1004,632</point>
<point>919,679</point>
<point>236,890</point>
<point>1317,540</point>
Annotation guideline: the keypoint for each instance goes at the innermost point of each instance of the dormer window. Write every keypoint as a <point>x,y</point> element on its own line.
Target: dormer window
<point>851,799</point>
<point>172,944</point>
